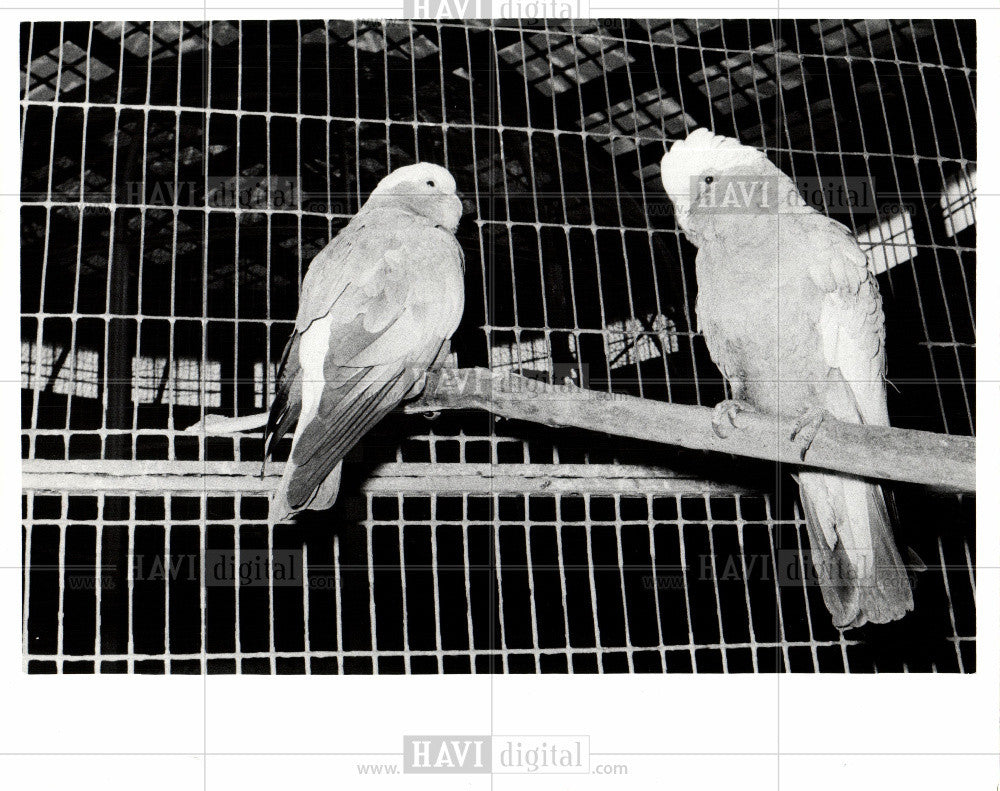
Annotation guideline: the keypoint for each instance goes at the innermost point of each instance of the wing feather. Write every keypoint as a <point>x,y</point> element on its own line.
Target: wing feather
<point>287,397</point>
<point>377,304</point>
<point>851,321</point>
<point>340,421</point>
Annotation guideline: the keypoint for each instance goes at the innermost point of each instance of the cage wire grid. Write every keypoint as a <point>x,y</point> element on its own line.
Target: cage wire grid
<point>469,546</point>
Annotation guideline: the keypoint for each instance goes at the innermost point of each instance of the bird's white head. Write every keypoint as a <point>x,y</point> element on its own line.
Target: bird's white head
<point>424,189</point>
<point>692,165</point>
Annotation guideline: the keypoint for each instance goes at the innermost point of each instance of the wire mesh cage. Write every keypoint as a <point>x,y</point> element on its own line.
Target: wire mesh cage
<point>177,179</point>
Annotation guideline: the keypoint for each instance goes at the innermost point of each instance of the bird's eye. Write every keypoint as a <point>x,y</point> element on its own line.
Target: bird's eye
<point>709,179</point>
<point>430,183</point>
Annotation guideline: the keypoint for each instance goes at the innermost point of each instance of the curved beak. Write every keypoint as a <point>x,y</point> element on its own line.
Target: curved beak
<point>458,209</point>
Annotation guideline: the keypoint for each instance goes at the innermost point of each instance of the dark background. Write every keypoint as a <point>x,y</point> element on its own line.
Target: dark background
<point>147,300</point>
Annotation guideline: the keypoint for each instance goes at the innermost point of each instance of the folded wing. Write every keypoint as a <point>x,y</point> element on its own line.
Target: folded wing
<point>376,307</point>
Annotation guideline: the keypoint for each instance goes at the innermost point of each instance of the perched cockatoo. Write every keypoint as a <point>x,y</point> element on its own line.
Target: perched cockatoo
<point>793,319</point>
<point>378,306</point>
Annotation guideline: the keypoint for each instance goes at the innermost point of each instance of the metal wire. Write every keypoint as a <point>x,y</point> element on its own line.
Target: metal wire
<point>577,583</point>
<point>151,294</point>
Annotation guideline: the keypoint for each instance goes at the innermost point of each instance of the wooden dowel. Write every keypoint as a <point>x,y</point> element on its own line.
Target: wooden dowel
<point>923,457</point>
<point>939,460</point>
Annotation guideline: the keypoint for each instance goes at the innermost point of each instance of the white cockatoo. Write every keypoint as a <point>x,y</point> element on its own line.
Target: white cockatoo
<point>792,317</point>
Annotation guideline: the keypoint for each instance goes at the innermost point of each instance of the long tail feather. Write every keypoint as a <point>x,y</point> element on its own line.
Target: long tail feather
<point>324,497</point>
<point>861,574</point>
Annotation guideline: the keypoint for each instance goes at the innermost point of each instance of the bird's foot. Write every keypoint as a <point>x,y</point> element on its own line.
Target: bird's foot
<point>415,392</point>
<point>724,417</point>
<point>417,387</point>
<point>566,376</point>
<point>806,428</point>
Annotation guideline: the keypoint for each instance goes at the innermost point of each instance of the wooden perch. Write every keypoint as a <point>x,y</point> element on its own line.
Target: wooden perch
<point>870,451</point>
<point>896,454</point>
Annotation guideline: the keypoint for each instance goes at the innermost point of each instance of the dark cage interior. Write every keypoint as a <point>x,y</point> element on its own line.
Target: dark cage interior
<point>177,179</point>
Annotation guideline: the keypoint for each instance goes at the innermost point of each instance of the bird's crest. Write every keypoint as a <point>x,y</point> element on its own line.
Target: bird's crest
<point>703,148</point>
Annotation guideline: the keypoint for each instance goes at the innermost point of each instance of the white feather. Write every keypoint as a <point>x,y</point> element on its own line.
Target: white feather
<point>700,151</point>
<point>422,171</point>
<point>313,348</point>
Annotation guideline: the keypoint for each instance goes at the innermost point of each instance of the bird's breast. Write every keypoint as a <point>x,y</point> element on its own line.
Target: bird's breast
<point>760,323</point>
